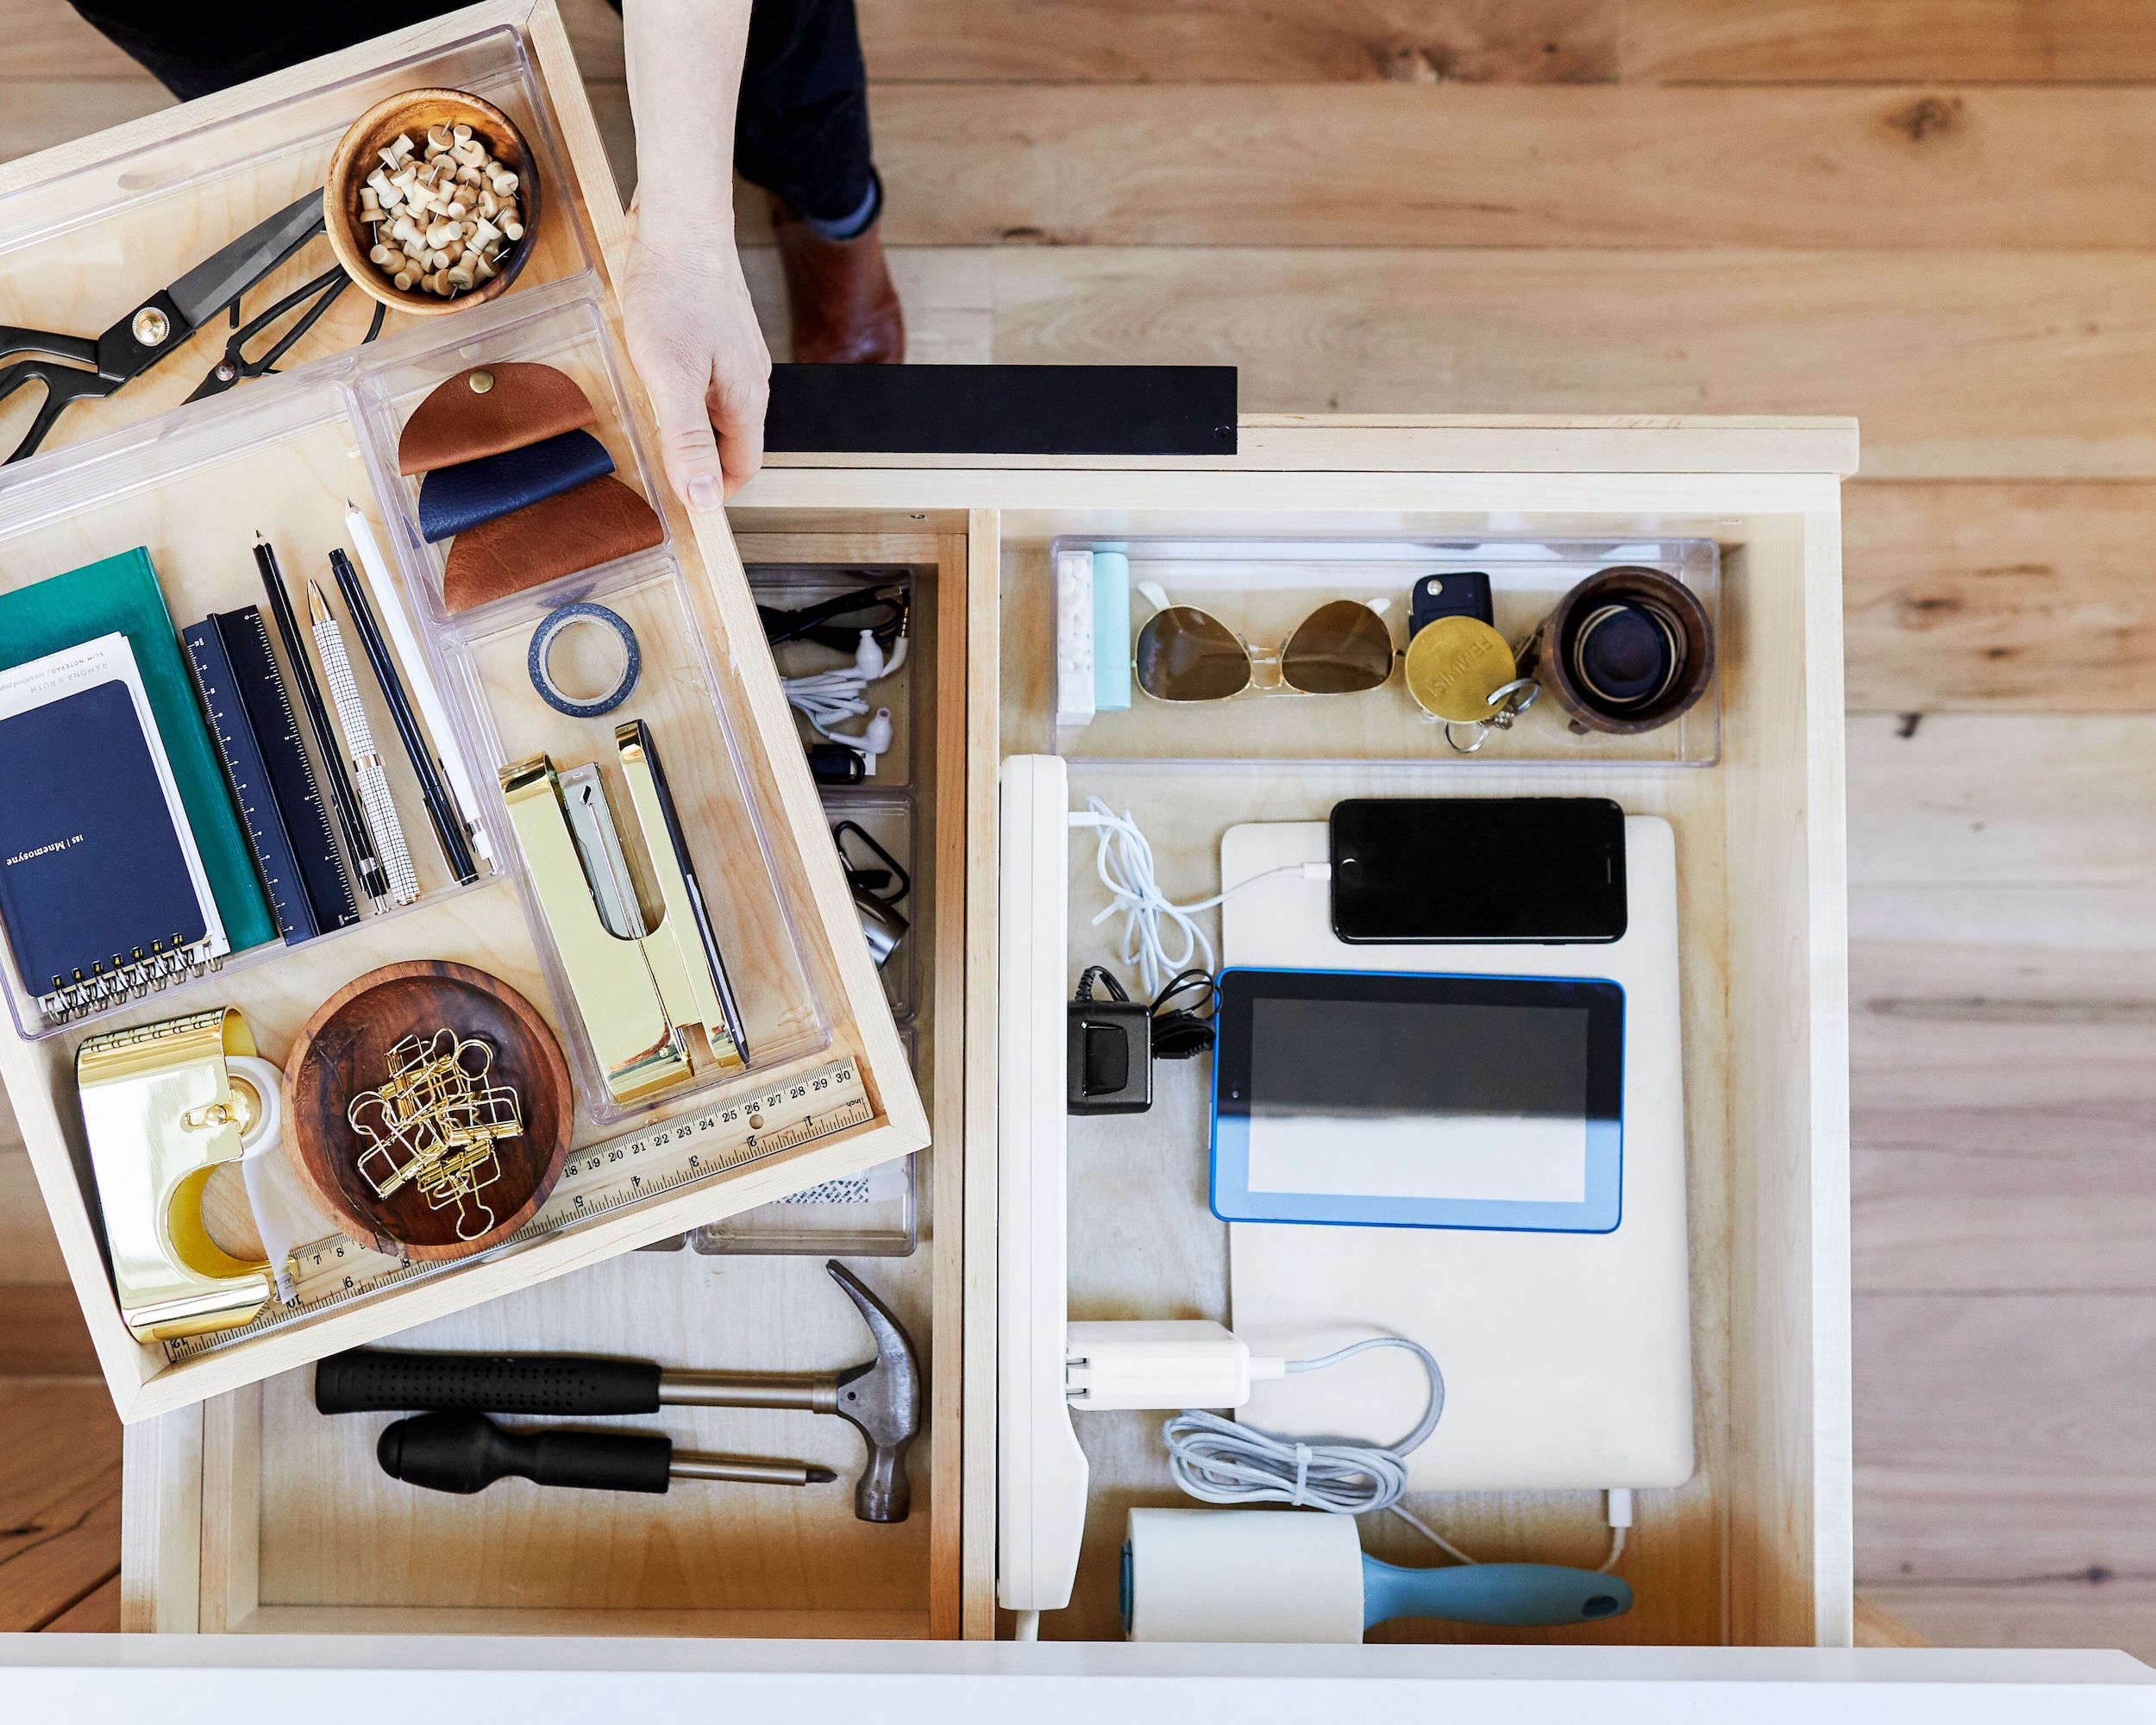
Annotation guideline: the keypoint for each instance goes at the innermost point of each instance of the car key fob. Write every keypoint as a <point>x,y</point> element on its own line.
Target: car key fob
<point>1464,592</point>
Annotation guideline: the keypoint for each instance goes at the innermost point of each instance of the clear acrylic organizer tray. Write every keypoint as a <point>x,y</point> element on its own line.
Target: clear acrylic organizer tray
<point>1262,589</point>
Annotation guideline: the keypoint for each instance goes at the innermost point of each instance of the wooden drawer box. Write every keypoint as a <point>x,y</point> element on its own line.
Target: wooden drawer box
<point>119,213</point>
<point>256,1515</point>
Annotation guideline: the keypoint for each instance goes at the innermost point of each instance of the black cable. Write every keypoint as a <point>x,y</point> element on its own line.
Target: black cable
<point>1184,1032</point>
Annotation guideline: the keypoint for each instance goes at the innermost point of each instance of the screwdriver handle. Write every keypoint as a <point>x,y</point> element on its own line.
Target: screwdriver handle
<point>466,1452</point>
<point>381,1381</point>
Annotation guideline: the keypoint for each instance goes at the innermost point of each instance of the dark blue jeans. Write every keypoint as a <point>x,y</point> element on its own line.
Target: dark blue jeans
<point>801,131</point>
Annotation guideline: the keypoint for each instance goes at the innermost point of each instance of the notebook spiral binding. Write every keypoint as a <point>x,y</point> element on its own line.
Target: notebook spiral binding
<point>146,973</point>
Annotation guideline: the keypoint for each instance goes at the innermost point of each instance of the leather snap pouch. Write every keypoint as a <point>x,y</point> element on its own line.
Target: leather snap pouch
<point>452,499</point>
<point>543,542</point>
<point>528,492</point>
<point>488,409</point>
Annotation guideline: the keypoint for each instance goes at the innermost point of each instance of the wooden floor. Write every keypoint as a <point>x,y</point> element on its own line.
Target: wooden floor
<point>1935,214</point>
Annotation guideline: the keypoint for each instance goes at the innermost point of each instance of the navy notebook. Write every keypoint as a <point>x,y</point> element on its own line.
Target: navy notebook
<point>92,876</point>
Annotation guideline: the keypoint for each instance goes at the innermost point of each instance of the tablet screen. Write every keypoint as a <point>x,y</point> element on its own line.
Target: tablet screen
<point>1386,1099</point>
<point>1418,1100</point>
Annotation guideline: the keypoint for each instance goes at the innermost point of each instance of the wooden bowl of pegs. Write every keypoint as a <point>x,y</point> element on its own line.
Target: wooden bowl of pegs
<point>424,118</point>
<point>356,1047</point>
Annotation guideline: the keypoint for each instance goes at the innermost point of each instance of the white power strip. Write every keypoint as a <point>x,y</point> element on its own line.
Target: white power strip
<point>1041,1473</point>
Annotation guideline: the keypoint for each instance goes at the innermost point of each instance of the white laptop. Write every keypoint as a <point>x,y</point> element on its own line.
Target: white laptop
<point>1566,1353</point>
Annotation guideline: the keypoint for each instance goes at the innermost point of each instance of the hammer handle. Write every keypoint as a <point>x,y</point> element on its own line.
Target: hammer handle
<point>379,1381</point>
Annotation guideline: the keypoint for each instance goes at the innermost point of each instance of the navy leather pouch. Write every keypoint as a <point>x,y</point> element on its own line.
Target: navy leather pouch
<point>452,499</point>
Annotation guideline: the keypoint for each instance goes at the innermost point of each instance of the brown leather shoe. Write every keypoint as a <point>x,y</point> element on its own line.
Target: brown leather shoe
<point>844,308</point>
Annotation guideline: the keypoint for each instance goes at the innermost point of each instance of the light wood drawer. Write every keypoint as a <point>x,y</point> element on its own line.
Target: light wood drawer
<point>82,227</point>
<point>256,1515</point>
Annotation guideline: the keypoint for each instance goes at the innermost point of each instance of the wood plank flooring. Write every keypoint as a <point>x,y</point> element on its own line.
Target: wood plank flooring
<point>1931,213</point>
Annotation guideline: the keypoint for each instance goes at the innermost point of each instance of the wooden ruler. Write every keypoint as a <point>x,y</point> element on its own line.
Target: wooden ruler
<point>597,1180</point>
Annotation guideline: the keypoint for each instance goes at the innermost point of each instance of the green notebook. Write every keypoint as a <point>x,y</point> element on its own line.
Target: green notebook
<point>120,595</point>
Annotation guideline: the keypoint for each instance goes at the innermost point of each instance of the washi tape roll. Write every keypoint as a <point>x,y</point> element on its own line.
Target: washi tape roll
<point>551,629</point>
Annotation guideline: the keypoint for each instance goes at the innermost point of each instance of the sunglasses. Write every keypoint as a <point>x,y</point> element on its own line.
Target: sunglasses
<point>1184,654</point>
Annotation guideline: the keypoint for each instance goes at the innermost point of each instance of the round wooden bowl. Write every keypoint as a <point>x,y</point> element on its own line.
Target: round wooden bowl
<point>358,154</point>
<point>344,1049</point>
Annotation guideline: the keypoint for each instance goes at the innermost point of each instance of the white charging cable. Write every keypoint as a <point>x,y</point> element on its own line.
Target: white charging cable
<point>1222,1461</point>
<point>1228,1462</point>
<point>1123,860</point>
<point>827,698</point>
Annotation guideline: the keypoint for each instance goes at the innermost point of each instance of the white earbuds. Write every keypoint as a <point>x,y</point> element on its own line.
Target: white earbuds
<point>827,696</point>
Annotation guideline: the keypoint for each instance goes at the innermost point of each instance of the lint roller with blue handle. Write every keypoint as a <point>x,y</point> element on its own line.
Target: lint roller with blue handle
<point>1297,1576</point>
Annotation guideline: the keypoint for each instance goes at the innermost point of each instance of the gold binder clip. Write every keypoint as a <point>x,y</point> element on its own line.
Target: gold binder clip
<point>162,1110</point>
<point>637,988</point>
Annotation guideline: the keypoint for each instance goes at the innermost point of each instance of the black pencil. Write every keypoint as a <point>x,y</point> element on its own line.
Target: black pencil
<point>448,825</point>
<point>342,803</point>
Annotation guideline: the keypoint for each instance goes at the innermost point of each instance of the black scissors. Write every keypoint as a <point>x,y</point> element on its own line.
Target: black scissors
<point>168,318</point>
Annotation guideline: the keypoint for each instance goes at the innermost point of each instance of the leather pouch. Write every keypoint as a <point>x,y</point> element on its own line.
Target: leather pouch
<point>530,495</point>
<point>578,530</point>
<point>520,404</point>
<point>453,499</point>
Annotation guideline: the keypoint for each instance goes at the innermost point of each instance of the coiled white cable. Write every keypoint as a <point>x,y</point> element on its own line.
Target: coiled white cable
<point>1123,859</point>
<point>1220,1461</point>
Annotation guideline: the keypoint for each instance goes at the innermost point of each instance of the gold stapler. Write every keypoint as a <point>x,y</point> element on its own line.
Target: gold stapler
<point>637,987</point>
<point>163,1105</point>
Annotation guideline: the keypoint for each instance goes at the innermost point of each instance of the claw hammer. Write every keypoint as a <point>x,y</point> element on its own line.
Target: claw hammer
<point>880,1398</point>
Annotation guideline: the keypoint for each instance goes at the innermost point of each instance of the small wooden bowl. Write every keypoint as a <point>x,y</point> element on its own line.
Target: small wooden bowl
<point>358,154</point>
<point>344,1049</point>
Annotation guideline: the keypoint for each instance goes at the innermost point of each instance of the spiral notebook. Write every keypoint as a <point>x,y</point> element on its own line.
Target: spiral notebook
<point>103,891</point>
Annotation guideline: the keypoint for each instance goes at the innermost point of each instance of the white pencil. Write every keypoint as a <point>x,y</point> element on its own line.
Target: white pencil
<point>390,603</point>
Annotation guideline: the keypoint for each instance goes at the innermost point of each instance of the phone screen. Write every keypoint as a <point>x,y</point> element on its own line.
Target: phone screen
<point>1470,870</point>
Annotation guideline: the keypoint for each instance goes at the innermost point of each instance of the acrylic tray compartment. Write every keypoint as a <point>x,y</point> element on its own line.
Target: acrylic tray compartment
<point>790,587</point>
<point>1262,589</point>
<point>888,818</point>
<point>79,249</point>
<point>487,655</point>
<point>282,463</point>
<point>871,1214</point>
<point>565,331</point>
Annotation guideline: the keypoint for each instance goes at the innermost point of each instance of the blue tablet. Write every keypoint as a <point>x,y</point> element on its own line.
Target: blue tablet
<point>1386,1099</point>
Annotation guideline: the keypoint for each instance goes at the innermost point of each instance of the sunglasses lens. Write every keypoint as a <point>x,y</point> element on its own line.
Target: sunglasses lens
<point>1183,654</point>
<point>1342,648</point>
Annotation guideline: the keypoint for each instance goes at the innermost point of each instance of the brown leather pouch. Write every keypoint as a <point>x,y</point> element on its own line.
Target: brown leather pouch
<point>542,541</point>
<point>488,409</point>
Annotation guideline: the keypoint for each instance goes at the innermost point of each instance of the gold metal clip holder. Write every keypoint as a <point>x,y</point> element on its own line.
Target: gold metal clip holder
<point>638,989</point>
<point>163,1110</point>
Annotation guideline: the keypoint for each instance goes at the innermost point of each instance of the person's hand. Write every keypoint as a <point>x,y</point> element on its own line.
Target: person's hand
<point>692,335</point>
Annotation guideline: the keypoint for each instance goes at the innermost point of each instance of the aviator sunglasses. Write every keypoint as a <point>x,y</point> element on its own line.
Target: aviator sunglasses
<point>1186,653</point>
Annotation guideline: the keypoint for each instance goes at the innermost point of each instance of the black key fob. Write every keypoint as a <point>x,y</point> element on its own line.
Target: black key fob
<point>1464,592</point>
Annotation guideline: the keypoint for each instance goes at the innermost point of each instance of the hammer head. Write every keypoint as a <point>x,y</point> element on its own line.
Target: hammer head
<point>882,1399</point>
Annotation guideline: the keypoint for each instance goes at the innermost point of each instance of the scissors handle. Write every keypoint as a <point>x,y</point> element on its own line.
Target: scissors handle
<point>64,385</point>
<point>17,341</point>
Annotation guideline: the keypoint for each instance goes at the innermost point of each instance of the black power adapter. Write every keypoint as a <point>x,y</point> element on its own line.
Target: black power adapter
<point>1114,1040</point>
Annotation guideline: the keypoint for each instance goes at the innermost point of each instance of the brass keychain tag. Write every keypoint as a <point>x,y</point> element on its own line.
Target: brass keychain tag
<point>1460,670</point>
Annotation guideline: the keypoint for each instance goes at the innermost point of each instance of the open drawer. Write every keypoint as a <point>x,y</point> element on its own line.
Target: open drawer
<point>256,1515</point>
<point>809,1080</point>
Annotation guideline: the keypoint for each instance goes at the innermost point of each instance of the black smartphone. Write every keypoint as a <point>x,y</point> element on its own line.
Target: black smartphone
<point>1478,870</point>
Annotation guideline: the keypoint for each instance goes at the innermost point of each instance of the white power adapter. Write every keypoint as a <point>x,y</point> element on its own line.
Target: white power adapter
<point>1161,1364</point>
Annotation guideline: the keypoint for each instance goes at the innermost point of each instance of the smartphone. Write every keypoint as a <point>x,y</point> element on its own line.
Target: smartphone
<point>1476,870</point>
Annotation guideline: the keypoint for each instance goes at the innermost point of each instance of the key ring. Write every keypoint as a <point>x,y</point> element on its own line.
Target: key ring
<point>1510,700</point>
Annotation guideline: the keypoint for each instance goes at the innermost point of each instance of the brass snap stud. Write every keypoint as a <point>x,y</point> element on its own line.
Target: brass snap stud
<point>481,382</point>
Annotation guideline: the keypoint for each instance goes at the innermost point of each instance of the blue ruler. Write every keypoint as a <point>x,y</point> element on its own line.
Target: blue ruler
<point>286,824</point>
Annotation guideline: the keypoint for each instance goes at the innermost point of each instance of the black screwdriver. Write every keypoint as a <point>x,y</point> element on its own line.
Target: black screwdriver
<point>467,1453</point>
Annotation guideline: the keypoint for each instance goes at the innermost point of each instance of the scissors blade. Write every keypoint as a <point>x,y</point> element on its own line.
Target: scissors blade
<point>212,285</point>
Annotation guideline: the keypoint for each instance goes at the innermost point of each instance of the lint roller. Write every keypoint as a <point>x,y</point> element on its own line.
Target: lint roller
<point>1301,1576</point>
